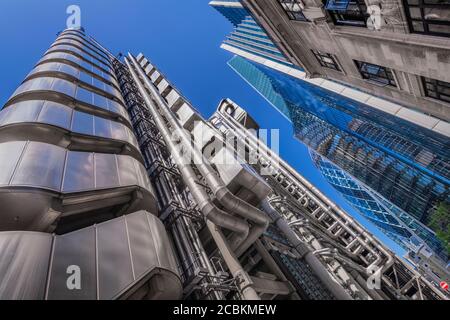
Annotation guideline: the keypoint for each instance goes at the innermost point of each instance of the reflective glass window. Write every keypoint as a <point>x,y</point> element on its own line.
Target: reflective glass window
<point>118,131</point>
<point>64,86</point>
<point>106,174</point>
<point>115,107</point>
<point>26,111</point>
<point>428,16</point>
<point>22,88</point>
<point>56,114</point>
<point>436,89</point>
<point>83,123</point>
<point>85,95</point>
<point>127,171</point>
<point>79,175</point>
<point>9,153</point>
<point>69,70</point>
<point>42,165</point>
<point>98,83</point>
<point>102,127</point>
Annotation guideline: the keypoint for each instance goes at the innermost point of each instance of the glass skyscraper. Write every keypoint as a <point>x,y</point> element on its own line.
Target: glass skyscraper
<point>392,167</point>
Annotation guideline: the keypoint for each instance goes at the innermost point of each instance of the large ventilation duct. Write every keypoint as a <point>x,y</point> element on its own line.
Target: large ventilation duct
<point>129,257</point>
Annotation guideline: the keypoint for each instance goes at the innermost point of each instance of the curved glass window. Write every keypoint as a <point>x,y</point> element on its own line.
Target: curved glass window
<point>9,157</point>
<point>35,169</point>
<point>86,39</point>
<point>102,127</point>
<point>47,84</point>
<point>55,114</point>
<point>80,75</point>
<point>83,123</point>
<point>47,166</point>
<point>86,53</point>
<point>106,171</point>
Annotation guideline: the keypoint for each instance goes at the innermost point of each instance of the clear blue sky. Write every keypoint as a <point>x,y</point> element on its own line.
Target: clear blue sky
<point>181,37</point>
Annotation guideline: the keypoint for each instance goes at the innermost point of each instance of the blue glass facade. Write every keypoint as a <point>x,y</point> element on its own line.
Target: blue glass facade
<point>407,165</point>
<point>392,221</point>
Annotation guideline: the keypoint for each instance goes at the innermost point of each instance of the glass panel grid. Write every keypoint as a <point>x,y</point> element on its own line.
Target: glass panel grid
<point>380,75</point>
<point>293,9</point>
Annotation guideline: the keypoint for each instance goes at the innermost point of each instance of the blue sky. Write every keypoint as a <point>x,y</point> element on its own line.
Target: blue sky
<point>181,37</point>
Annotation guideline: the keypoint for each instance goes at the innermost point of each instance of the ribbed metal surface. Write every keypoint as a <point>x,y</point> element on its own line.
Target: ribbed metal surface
<point>113,257</point>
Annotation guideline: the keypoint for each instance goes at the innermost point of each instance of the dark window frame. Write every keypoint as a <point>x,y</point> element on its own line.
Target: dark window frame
<point>433,89</point>
<point>321,56</point>
<point>425,23</point>
<point>375,73</point>
<point>355,14</point>
<point>291,13</point>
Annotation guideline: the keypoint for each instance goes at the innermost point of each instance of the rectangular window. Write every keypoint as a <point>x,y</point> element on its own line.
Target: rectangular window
<point>436,89</point>
<point>347,12</point>
<point>428,16</point>
<point>375,73</point>
<point>326,60</point>
<point>293,9</point>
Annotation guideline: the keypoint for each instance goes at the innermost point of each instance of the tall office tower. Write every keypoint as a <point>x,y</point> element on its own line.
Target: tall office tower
<point>398,153</point>
<point>105,196</point>
<point>397,49</point>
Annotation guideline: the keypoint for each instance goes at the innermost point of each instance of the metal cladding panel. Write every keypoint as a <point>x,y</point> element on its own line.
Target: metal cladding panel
<point>112,258</point>
<point>24,261</point>
<point>74,249</point>
<point>115,270</point>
